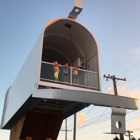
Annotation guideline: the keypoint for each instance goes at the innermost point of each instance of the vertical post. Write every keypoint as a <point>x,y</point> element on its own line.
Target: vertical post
<point>114,84</point>
<point>121,135</point>
<point>66,129</point>
<point>74,128</point>
<point>71,75</point>
<point>129,137</point>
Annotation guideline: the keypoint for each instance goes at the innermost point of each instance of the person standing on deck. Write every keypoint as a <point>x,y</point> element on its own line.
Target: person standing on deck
<point>75,75</point>
<point>56,70</point>
<point>66,72</point>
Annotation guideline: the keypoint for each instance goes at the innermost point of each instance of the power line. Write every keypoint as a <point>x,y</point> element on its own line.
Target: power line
<point>102,119</point>
<point>97,118</point>
<point>80,119</point>
<point>96,122</point>
<point>124,60</point>
<point>94,137</point>
<point>108,125</point>
<point>94,130</point>
<point>129,68</point>
<point>107,86</point>
<point>108,118</point>
<point>85,114</point>
<point>83,117</point>
<point>132,79</point>
<point>131,88</point>
<point>120,86</point>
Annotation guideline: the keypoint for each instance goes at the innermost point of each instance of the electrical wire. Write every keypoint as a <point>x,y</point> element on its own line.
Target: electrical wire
<point>81,119</point>
<point>131,79</point>
<point>120,86</point>
<point>98,117</point>
<point>131,88</point>
<point>106,126</point>
<point>102,119</point>
<point>128,69</point>
<point>128,111</point>
<point>107,86</point>
<point>124,60</point>
<point>84,116</point>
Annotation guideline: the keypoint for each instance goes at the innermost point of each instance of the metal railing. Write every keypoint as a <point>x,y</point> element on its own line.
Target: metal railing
<point>85,78</point>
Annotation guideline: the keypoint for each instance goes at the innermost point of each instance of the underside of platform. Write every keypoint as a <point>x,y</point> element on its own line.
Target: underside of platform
<point>42,105</point>
<point>68,102</point>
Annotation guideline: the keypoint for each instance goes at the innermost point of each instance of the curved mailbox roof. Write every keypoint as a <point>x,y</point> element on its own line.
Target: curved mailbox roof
<point>70,38</point>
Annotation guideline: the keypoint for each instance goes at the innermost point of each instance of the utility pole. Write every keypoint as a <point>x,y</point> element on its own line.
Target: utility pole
<point>116,93</point>
<point>66,130</point>
<point>74,128</point>
<point>129,132</point>
<point>114,82</point>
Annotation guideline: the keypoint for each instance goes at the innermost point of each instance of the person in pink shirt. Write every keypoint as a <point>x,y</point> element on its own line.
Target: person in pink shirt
<point>75,75</point>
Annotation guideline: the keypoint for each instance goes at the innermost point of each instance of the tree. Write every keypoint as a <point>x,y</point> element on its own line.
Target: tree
<point>116,138</point>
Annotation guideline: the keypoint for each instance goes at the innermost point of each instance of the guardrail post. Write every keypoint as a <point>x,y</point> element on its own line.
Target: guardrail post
<point>71,75</point>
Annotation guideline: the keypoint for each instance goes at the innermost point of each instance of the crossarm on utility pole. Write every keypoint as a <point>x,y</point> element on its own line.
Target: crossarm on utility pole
<point>114,82</point>
<point>129,134</point>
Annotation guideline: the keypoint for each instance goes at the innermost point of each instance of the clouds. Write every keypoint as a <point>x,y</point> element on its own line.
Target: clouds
<point>134,123</point>
<point>82,118</point>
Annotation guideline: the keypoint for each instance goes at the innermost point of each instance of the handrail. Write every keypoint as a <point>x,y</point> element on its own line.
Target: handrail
<point>71,67</point>
<point>83,78</point>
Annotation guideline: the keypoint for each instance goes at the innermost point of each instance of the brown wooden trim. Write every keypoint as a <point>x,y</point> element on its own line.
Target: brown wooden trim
<point>16,129</point>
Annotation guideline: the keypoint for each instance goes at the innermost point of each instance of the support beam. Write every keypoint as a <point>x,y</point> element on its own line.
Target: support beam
<point>98,99</point>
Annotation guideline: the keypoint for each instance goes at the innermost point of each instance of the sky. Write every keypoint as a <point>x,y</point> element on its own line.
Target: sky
<point>115,25</point>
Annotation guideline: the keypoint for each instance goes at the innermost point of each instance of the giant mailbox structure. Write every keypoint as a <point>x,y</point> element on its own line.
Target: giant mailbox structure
<point>35,105</point>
